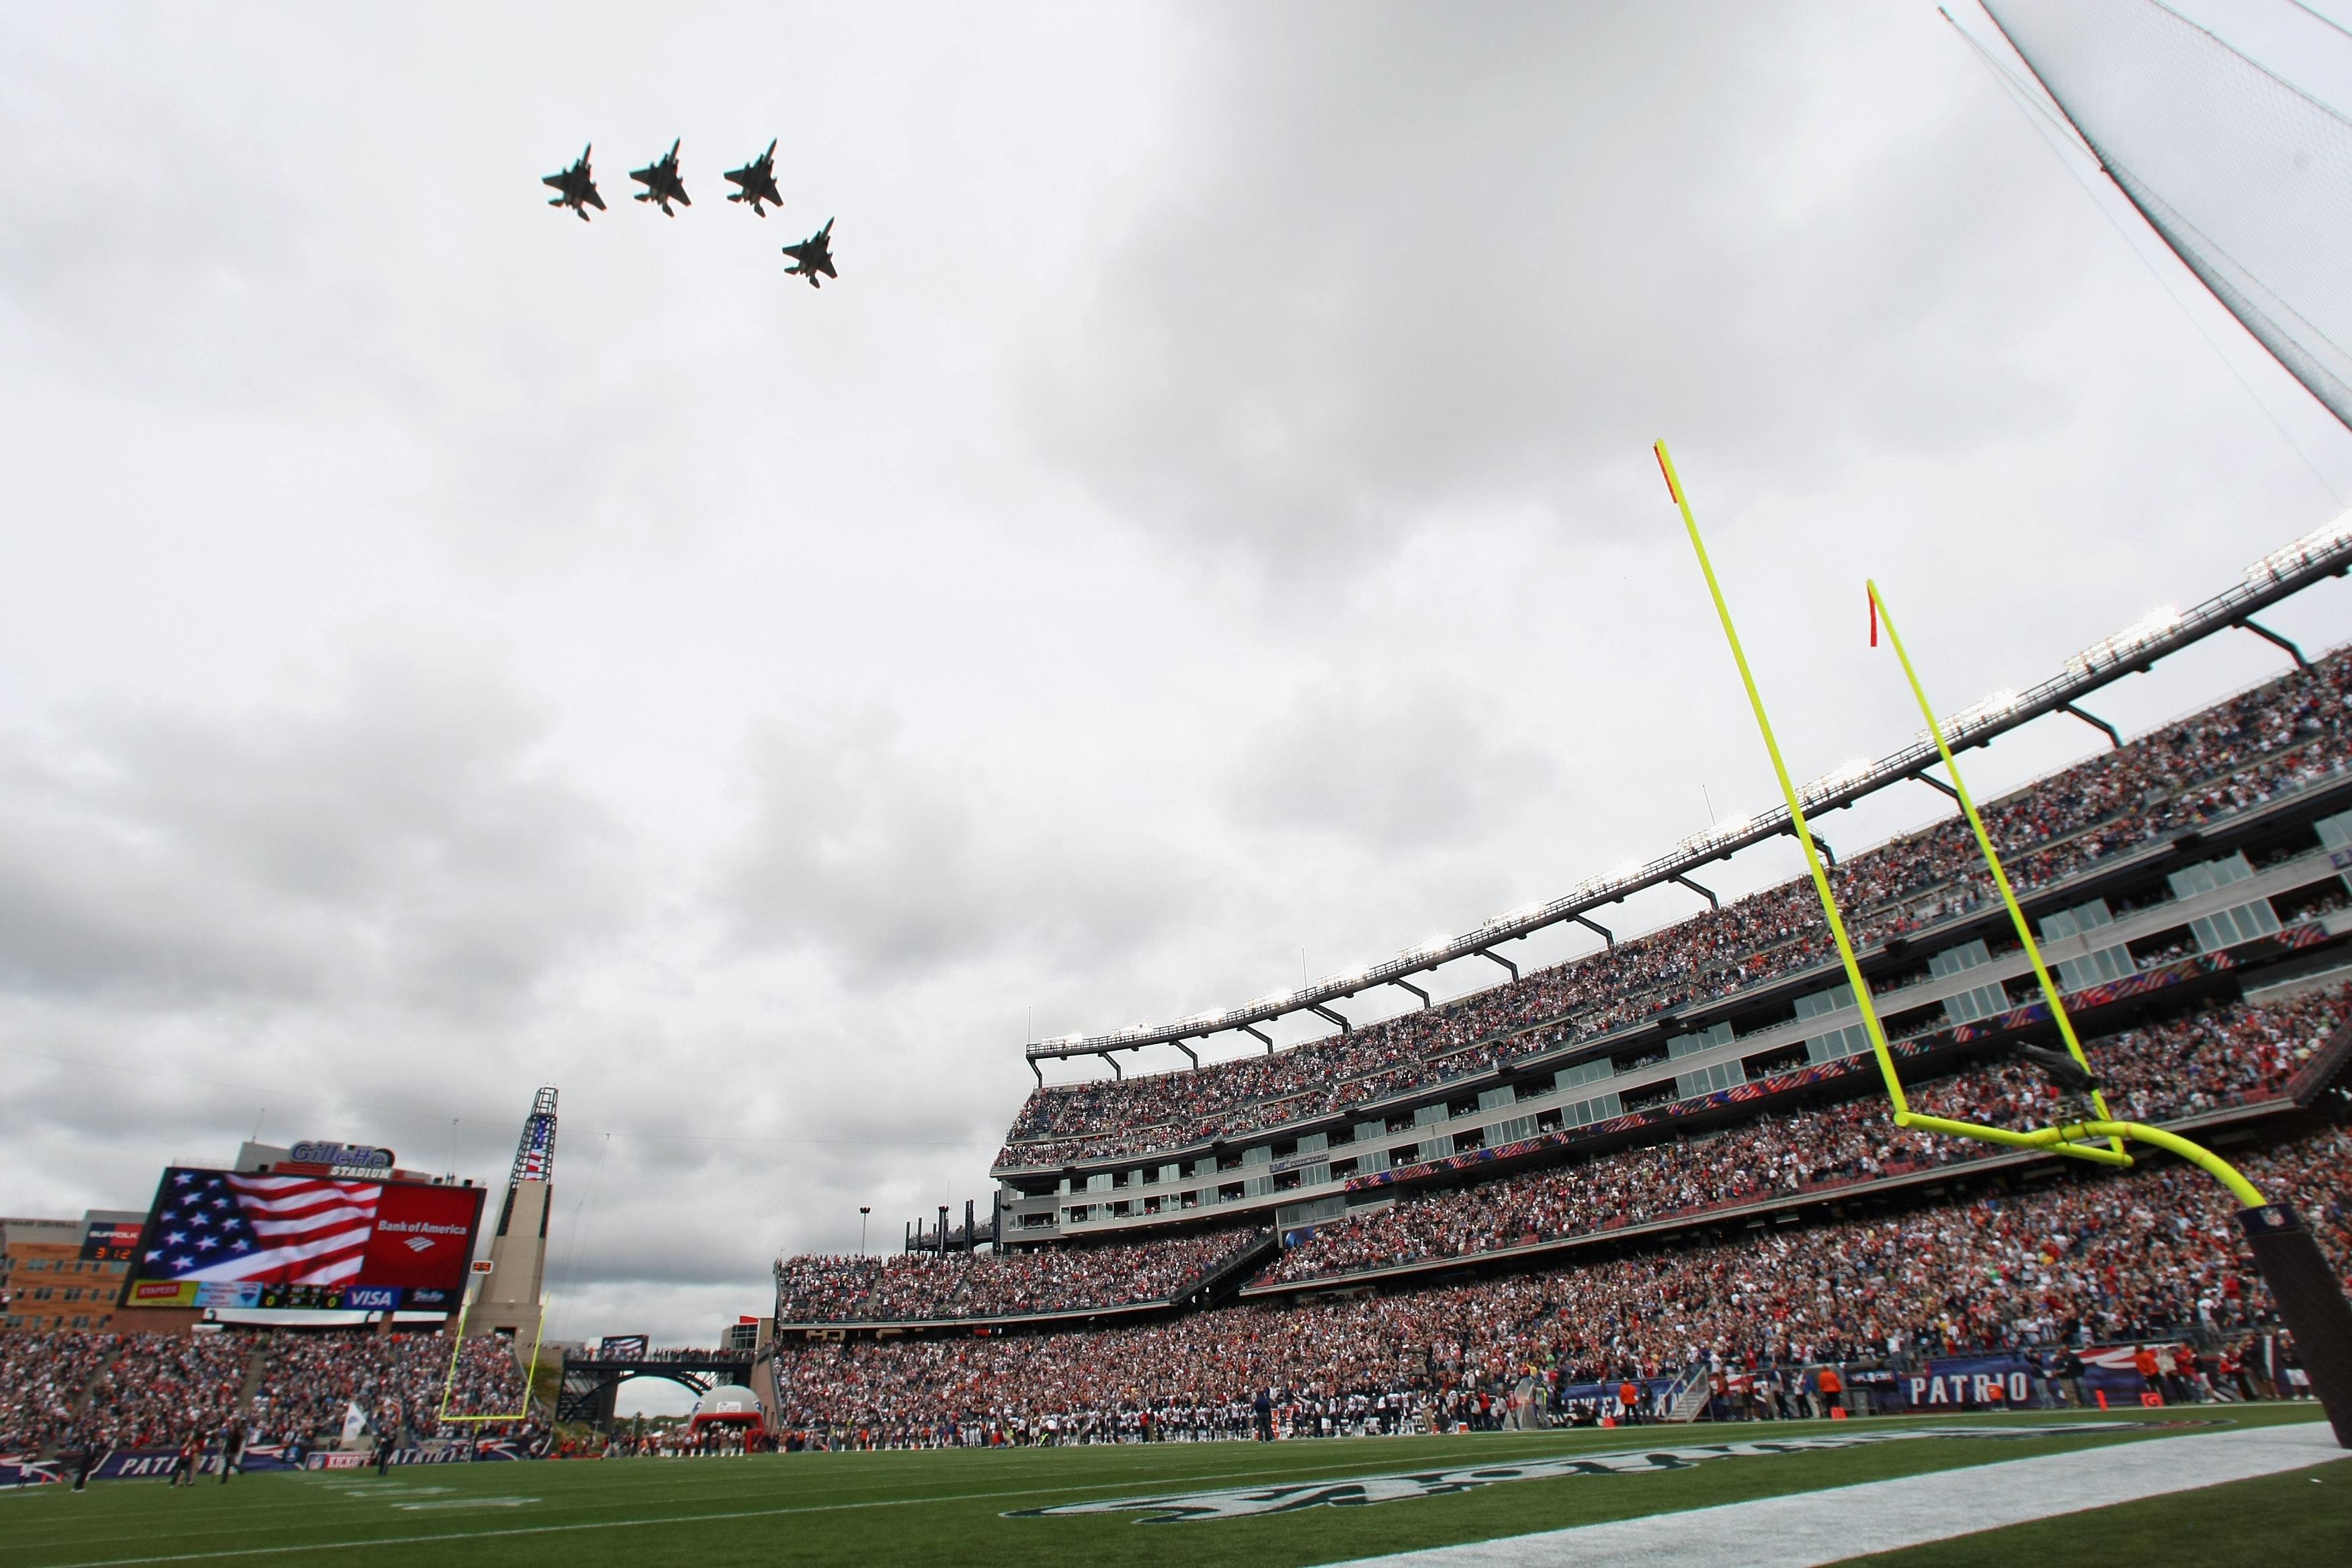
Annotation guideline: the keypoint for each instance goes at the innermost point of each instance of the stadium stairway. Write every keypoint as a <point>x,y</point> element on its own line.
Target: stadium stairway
<point>1222,1284</point>
<point>256,1367</point>
<point>1690,1396</point>
<point>82,1400</point>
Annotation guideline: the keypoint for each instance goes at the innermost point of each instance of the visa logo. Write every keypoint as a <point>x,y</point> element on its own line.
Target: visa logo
<point>375,1296</point>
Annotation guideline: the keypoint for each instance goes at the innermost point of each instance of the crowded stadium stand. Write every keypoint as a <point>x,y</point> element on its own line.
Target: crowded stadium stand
<point>2074,1265</point>
<point>101,1392</point>
<point>2203,849</point>
<point>915,1287</point>
<point>2190,1070</point>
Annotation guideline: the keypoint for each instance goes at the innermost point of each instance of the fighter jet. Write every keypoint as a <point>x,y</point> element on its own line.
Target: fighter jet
<point>577,186</point>
<point>813,255</point>
<point>757,179</point>
<point>661,182</point>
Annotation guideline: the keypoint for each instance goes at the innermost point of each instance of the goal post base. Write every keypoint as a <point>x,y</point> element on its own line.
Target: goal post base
<point>2311,1304</point>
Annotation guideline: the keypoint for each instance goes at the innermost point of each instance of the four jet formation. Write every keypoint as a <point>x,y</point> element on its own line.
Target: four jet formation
<point>756,183</point>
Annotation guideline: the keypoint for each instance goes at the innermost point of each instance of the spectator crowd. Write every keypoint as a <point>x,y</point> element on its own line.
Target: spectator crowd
<point>2289,733</point>
<point>903,1286</point>
<point>2224,1054</point>
<point>311,1381</point>
<point>2093,1258</point>
<point>102,1391</point>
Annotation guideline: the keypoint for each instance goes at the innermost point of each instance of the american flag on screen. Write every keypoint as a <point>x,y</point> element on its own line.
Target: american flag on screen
<point>261,1230</point>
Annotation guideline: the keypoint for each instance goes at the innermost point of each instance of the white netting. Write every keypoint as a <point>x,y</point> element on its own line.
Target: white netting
<point>2247,177</point>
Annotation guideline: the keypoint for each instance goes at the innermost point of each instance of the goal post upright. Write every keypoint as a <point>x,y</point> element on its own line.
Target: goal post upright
<point>1787,790</point>
<point>2310,1298</point>
<point>529,1376</point>
<point>2024,927</point>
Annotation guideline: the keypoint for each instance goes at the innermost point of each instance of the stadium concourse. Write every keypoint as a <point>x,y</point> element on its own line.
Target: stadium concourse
<point>1670,1163</point>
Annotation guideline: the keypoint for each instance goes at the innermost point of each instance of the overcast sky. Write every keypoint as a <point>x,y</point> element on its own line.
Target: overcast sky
<point>1207,533</point>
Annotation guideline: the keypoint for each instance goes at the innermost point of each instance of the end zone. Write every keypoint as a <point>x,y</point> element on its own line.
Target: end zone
<point>1804,1529</point>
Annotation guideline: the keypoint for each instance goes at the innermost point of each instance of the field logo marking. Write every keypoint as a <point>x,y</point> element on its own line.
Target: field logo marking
<point>463,1502</point>
<point>1249,1502</point>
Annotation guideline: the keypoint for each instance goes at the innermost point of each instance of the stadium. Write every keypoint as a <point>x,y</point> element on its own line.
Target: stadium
<point>1979,1190</point>
<point>1656,1188</point>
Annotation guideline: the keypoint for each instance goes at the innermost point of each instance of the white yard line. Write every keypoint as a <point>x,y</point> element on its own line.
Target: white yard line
<point>1803,1529</point>
<point>1062,1490</point>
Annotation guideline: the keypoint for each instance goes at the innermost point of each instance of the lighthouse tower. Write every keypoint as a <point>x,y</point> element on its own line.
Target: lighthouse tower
<point>509,1303</point>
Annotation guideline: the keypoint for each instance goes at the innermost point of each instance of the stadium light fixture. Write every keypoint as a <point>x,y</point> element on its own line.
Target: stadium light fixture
<point>2287,559</point>
<point>2152,627</point>
<point>1849,771</point>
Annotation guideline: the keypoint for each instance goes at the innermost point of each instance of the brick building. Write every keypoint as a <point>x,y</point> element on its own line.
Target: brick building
<point>64,1274</point>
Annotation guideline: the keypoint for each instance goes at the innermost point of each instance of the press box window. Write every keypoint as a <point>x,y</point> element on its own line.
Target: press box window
<point>2231,926</point>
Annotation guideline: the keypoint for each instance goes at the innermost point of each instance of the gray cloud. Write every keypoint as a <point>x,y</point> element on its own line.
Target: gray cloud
<point>395,838</point>
<point>893,861</point>
<point>1418,271</point>
<point>1412,769</point>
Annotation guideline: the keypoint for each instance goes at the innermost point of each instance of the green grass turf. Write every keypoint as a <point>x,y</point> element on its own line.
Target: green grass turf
<point>2303,1517</point>
<point>944,1508</point>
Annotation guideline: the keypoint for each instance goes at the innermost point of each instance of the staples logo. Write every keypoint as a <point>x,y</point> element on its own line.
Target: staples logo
<point>419,1245</point>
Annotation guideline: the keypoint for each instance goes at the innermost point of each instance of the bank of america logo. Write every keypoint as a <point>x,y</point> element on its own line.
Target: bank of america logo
<point>419,1244</point>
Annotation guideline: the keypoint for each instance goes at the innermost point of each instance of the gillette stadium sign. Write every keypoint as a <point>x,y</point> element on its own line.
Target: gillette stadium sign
<point>354,1157</point>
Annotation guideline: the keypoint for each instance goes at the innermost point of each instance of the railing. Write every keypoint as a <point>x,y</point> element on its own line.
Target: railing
<point>1688,1400</point>
<point>2322,1070</point>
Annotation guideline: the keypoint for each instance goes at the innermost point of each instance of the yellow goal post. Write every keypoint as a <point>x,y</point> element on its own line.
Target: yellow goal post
<point>530,1373</point>
<point>2304,1284</point>
<point>2072,1139</point>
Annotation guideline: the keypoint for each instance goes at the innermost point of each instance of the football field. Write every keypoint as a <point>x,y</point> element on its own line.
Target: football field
<point>2209,1485</point>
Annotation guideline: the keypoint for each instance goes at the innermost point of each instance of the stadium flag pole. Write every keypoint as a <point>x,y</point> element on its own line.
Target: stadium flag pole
<point>2310,1297</point>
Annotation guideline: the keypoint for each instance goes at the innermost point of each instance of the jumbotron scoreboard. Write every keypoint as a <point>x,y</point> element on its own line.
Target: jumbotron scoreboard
<point>336,1229</point>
